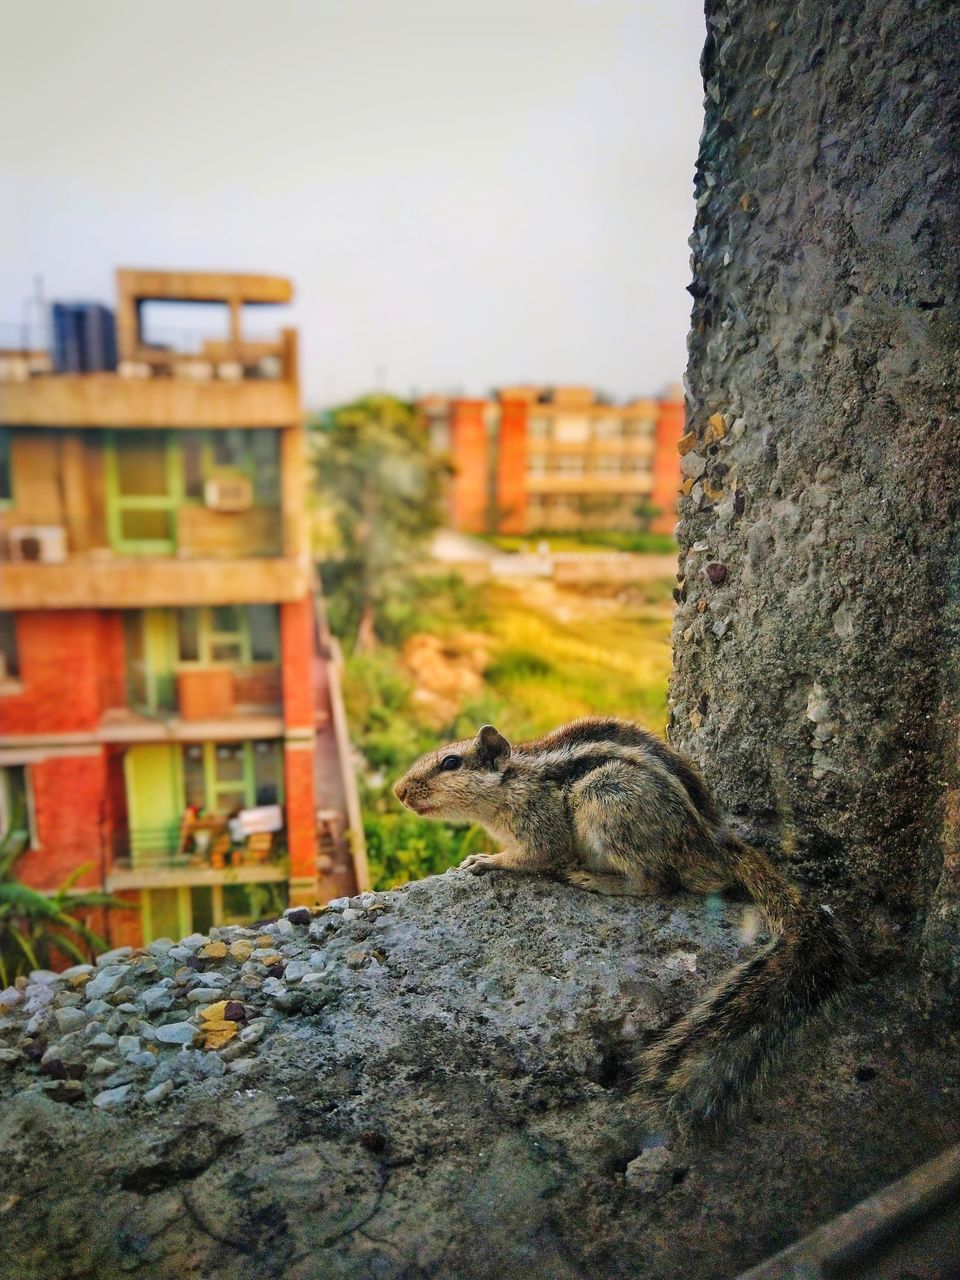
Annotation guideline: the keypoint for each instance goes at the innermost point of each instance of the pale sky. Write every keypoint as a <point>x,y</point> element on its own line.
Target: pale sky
<point>465,192</point>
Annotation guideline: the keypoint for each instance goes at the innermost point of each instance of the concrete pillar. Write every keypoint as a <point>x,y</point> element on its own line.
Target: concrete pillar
<point>816,677</point>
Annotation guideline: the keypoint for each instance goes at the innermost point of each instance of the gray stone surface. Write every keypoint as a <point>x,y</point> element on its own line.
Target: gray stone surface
<point>817,677</point>
<point>455,1107</point>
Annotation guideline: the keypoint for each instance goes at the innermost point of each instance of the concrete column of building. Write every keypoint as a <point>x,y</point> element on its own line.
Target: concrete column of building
<point>470,451</point>
<point>663,495</point>
<point>299,716</point>
<point>511,473</point>
<point>817,644</point>
<point>293,478</point>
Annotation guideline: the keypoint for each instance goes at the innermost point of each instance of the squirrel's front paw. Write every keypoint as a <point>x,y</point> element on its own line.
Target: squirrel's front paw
<point>479,863</point>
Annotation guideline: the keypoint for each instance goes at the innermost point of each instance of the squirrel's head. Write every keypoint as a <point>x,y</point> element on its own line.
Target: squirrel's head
<point>461,782</point>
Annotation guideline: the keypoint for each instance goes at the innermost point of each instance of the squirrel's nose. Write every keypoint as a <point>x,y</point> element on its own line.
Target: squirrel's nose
<point>400,790</point>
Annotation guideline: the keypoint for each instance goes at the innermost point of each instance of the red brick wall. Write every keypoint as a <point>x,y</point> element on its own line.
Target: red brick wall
<point>72,817</point>
<point>666,465</point>
<point>113,661</point>
<point>257,687</point>
<point>120,928</point>
<point>301,812</point>
<point>61,658</point>
<point>296,658</point>
<point>468,449</point>
<point>512,467</point>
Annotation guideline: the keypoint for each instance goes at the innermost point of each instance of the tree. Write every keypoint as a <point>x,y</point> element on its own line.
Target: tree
<point>34,926</point>
<point>376,474</point>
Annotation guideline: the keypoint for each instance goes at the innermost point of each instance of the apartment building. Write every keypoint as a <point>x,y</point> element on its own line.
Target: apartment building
<point>535,459</point>
<point>170,717</point>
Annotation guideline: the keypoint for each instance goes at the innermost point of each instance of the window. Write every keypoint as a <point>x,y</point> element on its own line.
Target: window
<point>9,654</point>
<point>201,909</point>
<point>222,777</point>
<point>266,772</point>
<point>264,623</point>
<point>226,639</point>
<point>539,428</point>
<point>572,428</point>
<point>608,462</point>
<point>173,913</point>
<point>17,817</point>
<point>606,427</point>
<point>6,475</point>
<point>536,464</point>
<point>570,464</point>
<point>252,453</point>
<point>188,626</point>
<point>143,492</point>
<point>230,634</point>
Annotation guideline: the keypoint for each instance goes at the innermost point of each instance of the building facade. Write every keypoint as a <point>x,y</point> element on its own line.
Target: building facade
<point>535,459</point>
<point>170,717</point>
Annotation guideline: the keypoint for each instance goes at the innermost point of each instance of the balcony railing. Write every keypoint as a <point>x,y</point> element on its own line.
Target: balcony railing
<point>188,354</point>
<point>192,693</point>
<point>213,844</point>
<point>191,531</point>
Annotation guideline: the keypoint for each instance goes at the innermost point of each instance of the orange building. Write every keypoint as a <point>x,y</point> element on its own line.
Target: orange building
<point>170,714</point>
<point>536,459</point>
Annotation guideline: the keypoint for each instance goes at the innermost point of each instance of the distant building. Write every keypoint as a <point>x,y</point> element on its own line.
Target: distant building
<point>535,459</point>
<point>169,701</point>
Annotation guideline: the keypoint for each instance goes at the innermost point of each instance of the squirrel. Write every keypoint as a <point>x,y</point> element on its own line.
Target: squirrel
<point>606,806</point>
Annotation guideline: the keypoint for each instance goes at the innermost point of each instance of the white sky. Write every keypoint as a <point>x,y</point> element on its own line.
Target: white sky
<point>465,192</point>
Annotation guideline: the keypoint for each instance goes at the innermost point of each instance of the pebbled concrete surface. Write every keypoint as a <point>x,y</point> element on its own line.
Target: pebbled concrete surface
<point>437,1089</point>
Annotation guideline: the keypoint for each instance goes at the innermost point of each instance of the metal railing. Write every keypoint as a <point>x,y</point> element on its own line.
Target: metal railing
<point>209,847</point>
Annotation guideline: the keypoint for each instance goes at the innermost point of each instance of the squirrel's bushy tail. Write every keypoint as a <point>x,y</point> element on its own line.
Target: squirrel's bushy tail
<point>704,1062</point>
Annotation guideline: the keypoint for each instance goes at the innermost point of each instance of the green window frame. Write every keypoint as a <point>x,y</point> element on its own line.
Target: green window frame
<point>209,633</point>
<point>121,504</point>
<point>223,793</point>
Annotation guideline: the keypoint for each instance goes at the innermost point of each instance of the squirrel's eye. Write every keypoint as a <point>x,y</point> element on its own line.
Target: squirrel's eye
<point>448,763</point>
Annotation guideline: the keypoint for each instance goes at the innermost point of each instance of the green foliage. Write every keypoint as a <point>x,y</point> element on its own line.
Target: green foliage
<point>37,928</point>
<point>384,490</point>
<point>402,847</point>
<point>518,664</point>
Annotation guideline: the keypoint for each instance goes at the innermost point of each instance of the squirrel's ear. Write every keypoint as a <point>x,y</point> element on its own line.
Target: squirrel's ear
<point>493,747</point>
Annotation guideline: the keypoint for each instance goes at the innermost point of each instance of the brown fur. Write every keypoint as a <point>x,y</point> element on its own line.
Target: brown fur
<point>604,805</point>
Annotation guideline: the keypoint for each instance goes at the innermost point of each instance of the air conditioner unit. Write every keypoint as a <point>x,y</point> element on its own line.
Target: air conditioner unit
<point>38,544</point>
<point>228,493</point>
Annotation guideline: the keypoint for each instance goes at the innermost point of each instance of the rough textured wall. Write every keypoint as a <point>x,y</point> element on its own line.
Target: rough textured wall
<point>429,1085</point>
<point>819,517</point>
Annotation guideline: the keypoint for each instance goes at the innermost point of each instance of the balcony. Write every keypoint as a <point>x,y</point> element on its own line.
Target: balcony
<point>198,704</point>
<point>211,850</point>
<point>210,557</point>
<point>180,380</point>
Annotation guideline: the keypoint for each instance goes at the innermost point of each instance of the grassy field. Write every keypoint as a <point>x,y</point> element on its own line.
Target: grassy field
<point>558,655</point>
<point>525,658</point>
<point>587,540</point>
